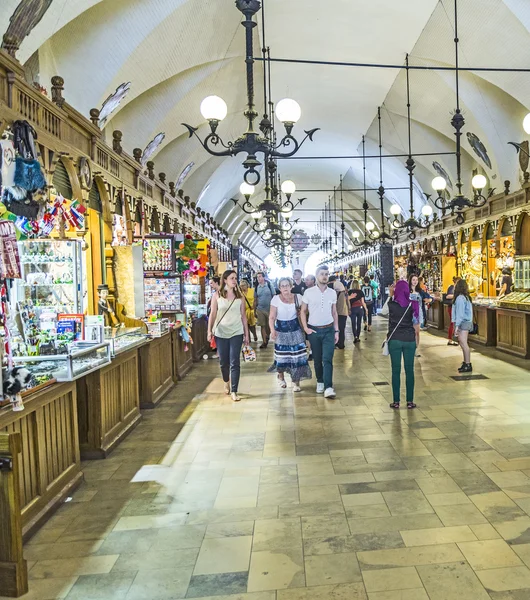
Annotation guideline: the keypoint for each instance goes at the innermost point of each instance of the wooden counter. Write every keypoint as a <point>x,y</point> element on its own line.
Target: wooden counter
<point>486,319</point>
<point>182,359</point>
<point>108,405</point>
<point>156,370</point>
<point>199,334</point>
<point>435,314</point>
<point>513,332</point>
<point>50,463</point>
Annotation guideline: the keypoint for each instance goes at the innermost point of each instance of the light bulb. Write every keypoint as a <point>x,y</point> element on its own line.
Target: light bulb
<point>426,210</point>
<point>439,184</point>
<point>479,182</point>
<point>356,234</point>
<point>395,209</point>
<point>246,189</point>
<point>375,234</point>
<point>288,187</point>
<point>214,108</point>
<point>526,123</point>
<point>350,247</point>
<point>288,111</point>
<point>370,226</point>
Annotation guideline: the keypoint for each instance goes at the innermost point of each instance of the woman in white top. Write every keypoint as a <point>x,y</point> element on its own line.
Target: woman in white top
<point>290,355</point>
<point>228,323</point>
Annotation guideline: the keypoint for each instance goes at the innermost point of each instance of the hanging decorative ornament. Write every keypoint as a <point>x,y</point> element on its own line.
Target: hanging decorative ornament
<point>299,240</point>
<point>316,239</point>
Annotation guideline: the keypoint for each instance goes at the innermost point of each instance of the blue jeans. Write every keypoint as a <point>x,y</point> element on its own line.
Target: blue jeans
<point>229,351</point>
<point>323,348</point>
<point>368,317</point>
<point>357,314</point>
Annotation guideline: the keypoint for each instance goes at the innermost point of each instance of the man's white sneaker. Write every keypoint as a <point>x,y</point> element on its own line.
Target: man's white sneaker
<point>320,388</point>
<point>329,393</point>
<point>296,388</point>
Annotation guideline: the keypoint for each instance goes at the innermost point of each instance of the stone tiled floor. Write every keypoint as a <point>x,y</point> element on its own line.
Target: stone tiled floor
<point>282,498</point>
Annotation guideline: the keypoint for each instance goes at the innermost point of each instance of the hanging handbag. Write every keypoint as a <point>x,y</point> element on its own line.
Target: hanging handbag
<point>249,354</point>
<point>384,310</point>
<point>384,346</point>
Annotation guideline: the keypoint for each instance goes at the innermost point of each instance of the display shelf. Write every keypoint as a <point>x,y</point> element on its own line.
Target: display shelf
<point>125,339</point>
<point>162,294</point>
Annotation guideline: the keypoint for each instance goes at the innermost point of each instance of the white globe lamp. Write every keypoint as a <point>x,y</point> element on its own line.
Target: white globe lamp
<point>395,209</point>
<point>526,123</point>
<point>370,226</point>
<point>439,184</point>
<point>246,189</point>
<point>288,111</point>
<point>479,182</point>
<point>356,234</point>
<point>214,108</point>
<point>288,187</point>
<point>426,211</point>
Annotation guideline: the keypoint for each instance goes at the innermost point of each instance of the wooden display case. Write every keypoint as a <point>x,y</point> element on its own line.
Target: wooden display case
<point>156,370</point>
<point>50,463</point>
<point>182,360</point>
<point>435,314</point>
<point>108,405</point>
<point>513,332</point>
<point>486,319</point>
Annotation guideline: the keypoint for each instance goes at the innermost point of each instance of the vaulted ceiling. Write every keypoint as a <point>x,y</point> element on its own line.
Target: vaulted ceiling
<point>176,52</point>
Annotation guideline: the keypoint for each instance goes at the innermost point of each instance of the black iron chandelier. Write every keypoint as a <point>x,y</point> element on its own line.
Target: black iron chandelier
<point>410,225</point>
<point>479,181</point>
<point>214,110</point>
<point>371,234</point>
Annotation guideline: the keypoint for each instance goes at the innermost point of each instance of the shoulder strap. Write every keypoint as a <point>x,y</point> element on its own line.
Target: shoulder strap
<point>399,323</point>
<point>248,303</point>
<point>271,288</point>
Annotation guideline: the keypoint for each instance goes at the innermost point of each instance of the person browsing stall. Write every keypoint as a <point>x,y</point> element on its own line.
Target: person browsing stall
<point>322,329</point>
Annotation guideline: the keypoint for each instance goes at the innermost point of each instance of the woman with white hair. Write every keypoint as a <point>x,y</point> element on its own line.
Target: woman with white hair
<point>290,355</point>
<point>342,311</point>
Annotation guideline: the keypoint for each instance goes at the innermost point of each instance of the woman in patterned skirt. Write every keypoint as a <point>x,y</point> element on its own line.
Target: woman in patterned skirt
<point>290,355</point>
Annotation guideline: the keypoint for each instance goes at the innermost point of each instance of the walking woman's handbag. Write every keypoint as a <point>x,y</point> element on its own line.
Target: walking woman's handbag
<point>386,352</point>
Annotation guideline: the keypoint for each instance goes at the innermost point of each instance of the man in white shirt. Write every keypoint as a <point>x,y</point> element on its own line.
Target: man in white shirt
<point>322,329</point>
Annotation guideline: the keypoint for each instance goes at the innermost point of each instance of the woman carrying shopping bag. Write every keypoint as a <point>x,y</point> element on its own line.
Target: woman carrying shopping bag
<point>401,340</point>
<point>228,323</point>
<point>290,355</point>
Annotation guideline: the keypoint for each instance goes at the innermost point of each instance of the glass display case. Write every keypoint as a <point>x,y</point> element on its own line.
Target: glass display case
<point>192,297</point>
<point>124,339</point>
<point>159,254</point>
<point>515,300</point>
<point>82,359</point>
<point>51,275</point>
<point>488,301</point>
<point>521,278</point>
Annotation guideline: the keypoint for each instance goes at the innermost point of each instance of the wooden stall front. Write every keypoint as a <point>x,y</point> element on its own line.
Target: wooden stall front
<point>49,463</point>
<point>108,405</point>
<point>513,332</point>
<point>435,314</point>
<point>155,370</point>
<point>182,359</point>
<point>199,334</point>
<point>486,319</point>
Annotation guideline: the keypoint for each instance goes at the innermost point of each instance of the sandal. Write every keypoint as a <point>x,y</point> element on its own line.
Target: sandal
<point>227,388</point>
<point>394,405</point>
<point>411,405</point>
<point>282,382</point>
<point>235,397</point>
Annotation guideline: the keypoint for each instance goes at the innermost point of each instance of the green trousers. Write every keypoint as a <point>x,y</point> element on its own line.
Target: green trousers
<point>398,349</point>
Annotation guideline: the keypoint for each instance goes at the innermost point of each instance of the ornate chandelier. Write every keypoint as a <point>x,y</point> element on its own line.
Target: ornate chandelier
<point>214,110</point>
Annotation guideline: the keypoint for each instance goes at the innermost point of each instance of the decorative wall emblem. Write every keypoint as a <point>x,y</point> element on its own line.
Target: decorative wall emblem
<point>113,101</point>
<point>27,15</point>
<point>151,148</point>
<point>443,173</point>
<point>478,148</point>
<point>184,174</point>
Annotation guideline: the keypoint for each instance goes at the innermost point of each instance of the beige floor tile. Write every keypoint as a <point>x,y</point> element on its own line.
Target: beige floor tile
<point>277,534</point>
<point>485,532</point>
<point>411,502</point>
<point>510,578</point>
<point>48,589</point>
<point>237,529</point>
<point>328,569</point>
<point>509,478</point>
<point>223,555</point>
<point>156,558</point>
<point>37,552</point>
<point>497,506</point>
<point>439,535</point>
<point>278,494</point>
<point>523,552</point>
<point>71,567</point>
<point>516,531</point>
<point>452,581</point>
<point>388,524</point>
<point>319,493</point>
<point>368,499</point>
<point>448,499</point>
<point>408,557</point>
<point>232,487</point>
<point>271,570</point>
<point>343,591</point>
<point>239,502</point>
<point>325,525</point>
<point>381,580</point>
<point>162,584</point>
<point>489,554</point>
<point>417,594</point>
<point>367,512</point>
<point>150,522</point>
<point>456,462</point>
<point>439,485</point>
<point>461,514</point>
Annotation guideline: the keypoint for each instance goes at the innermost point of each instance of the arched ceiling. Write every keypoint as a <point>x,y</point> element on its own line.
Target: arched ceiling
<point>176,52</point>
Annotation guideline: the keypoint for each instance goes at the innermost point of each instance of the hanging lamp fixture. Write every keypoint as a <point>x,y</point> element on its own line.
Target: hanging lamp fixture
<point>410,225</point>
<point>371,235</point>
<point>460,202</point>
<point>214,110</point>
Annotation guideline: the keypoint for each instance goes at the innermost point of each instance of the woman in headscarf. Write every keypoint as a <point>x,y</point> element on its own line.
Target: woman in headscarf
<point>402,339</point>
<point>342,311</point>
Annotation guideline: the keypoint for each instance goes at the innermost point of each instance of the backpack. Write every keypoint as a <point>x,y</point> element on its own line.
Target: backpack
<point>273,291</point>
<point>367,290</point>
